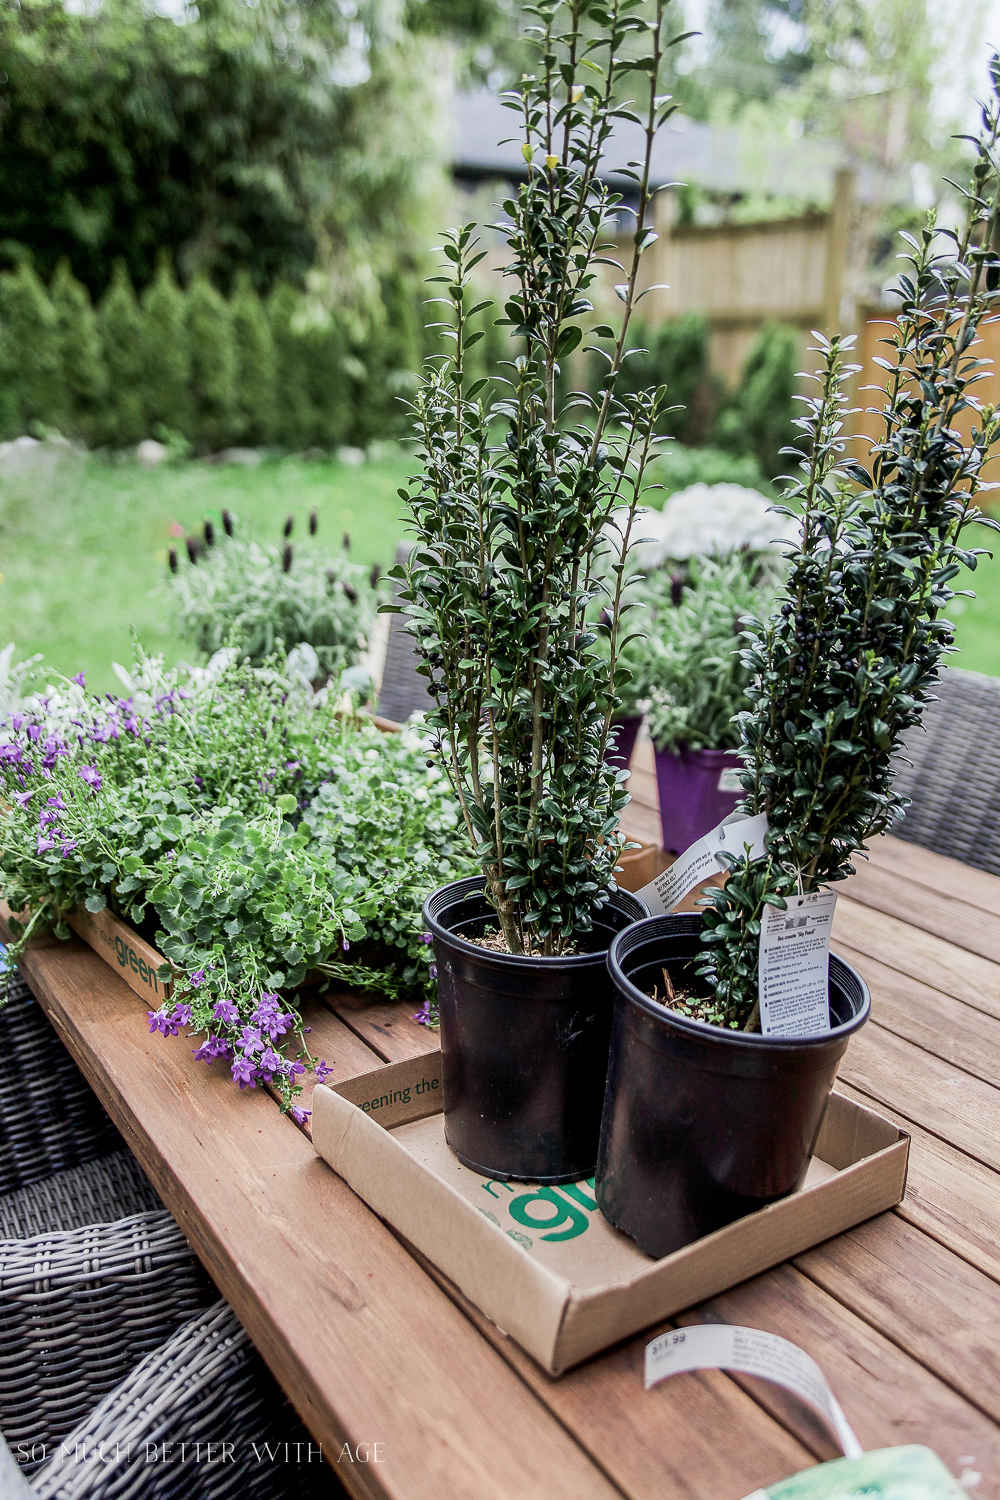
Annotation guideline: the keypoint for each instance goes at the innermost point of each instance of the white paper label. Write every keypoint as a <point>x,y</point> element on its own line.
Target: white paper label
<point>700,861</point>
<point>794,966</point>
<point>750,1351</point>
<point>729,780</point>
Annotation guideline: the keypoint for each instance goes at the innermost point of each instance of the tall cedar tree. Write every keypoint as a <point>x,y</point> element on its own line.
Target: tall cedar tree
<point>120,322</point>
<point>166,354</point>
<point>256,365</point>
<point>213,366</point>
<point>324,349</point>
<point>31,363</point>
<point>294,410</point>
<point>85,379</point>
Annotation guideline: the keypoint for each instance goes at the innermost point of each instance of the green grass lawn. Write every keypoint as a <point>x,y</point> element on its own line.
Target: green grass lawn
<point>83,551</point>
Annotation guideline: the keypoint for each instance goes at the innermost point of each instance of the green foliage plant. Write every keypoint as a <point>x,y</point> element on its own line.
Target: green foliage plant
<point>842,670</point>
<point>690,666</point>
<point>673,354</point>
<point>254,831</point>
<point>213,365</point>
<point>120,322</point>
<point>677,467</point>
<point>166,354</point>
<point>260,597</point>
<point>759,417</point>
<point>511,534</point>
<point>30,351</point>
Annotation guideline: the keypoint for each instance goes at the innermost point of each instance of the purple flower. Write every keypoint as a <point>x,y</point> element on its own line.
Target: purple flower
<point>157,1022</point>
<point>181,1014</point>
<point>433,971</point>
<point>346,945</point>
<point>45,844</point>
<point>270,1063</point>
<point>24,798</point>
<point>91,776</point>
<point>225,1011</point>
<point>57,801</point>
<point>68,846</point>
<point>299,1115</point>
<point>198,977</point>
<point>45,818</point>
<point>16,721</point>
<point>80,679</point>
<point>245,1073</point>
<point>427,937</point>
<point>250,1040</point>
<point>211,1048</point>
<point>322,1070</point>
<point>34,732</point>
<point>293,1068</point>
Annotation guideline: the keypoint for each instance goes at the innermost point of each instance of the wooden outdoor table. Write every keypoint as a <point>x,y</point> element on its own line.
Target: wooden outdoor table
<point>372,1346</point>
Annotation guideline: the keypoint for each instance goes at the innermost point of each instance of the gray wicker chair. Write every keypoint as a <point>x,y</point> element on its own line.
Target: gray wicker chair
<point>50,1119</point>
<point>98,1192</point>
<point>79,1308</point>
<point>401,692</point>
<point>205,1386</point>
<point>954,781</point>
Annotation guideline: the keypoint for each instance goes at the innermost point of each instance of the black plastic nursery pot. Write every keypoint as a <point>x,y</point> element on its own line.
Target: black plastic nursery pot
<point>524,1041</point>
<point>703,1125</point>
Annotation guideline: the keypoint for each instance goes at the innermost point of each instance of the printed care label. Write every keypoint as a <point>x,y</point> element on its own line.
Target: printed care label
<point>793,971</point>
<point>701,860</point>
<point>749,1351</point>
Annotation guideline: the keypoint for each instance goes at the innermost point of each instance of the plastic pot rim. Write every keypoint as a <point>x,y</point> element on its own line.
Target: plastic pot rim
<point>475,885</point>
<point>704,1030</point>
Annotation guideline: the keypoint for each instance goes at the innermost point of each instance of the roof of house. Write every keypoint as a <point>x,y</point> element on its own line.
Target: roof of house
<point>723,160</point>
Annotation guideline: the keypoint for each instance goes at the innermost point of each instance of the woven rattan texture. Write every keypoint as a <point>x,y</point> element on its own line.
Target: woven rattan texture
<point>206,1386</point>
<point>99,1192</point>
<point>50,1118</point>
<point>954,782</point>
<point>402,692</point>
<point>79,1309</point>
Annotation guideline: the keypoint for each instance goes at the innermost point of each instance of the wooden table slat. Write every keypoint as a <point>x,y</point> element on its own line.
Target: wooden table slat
<point>887,1396</point>
<point>953,971</point>
<point>935,912</point>
<point>936,872</point>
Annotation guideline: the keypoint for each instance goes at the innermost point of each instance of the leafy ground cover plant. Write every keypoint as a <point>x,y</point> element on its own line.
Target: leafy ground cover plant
<point>252,830</point>
<point>842,670</point>
<point>511,536</point>
<point>690,666</point>
<point>231,590</point>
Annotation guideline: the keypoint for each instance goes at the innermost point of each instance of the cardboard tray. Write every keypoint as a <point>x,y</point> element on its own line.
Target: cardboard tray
<point>542,1262</point>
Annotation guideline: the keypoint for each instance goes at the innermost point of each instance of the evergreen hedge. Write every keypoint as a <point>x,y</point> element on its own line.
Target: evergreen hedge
<point>220,372</point>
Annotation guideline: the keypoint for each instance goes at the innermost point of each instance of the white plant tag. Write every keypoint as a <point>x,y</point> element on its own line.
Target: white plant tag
<point>750,1351</point>
<point>794,965</point>
<point>698,862</point>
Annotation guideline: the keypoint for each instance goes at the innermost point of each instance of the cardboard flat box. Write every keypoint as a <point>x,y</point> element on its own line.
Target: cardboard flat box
<point>542,1262</point>
<point>124,950</point>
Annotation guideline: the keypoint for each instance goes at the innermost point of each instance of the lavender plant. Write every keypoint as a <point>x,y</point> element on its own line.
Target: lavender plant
<point>511,540</point>
<point>842,671</point>
<point>259,596</point>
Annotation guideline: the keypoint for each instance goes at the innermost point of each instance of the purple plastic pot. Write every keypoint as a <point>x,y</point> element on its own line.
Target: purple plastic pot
<point>693,793</point>
<point>619,754</point>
